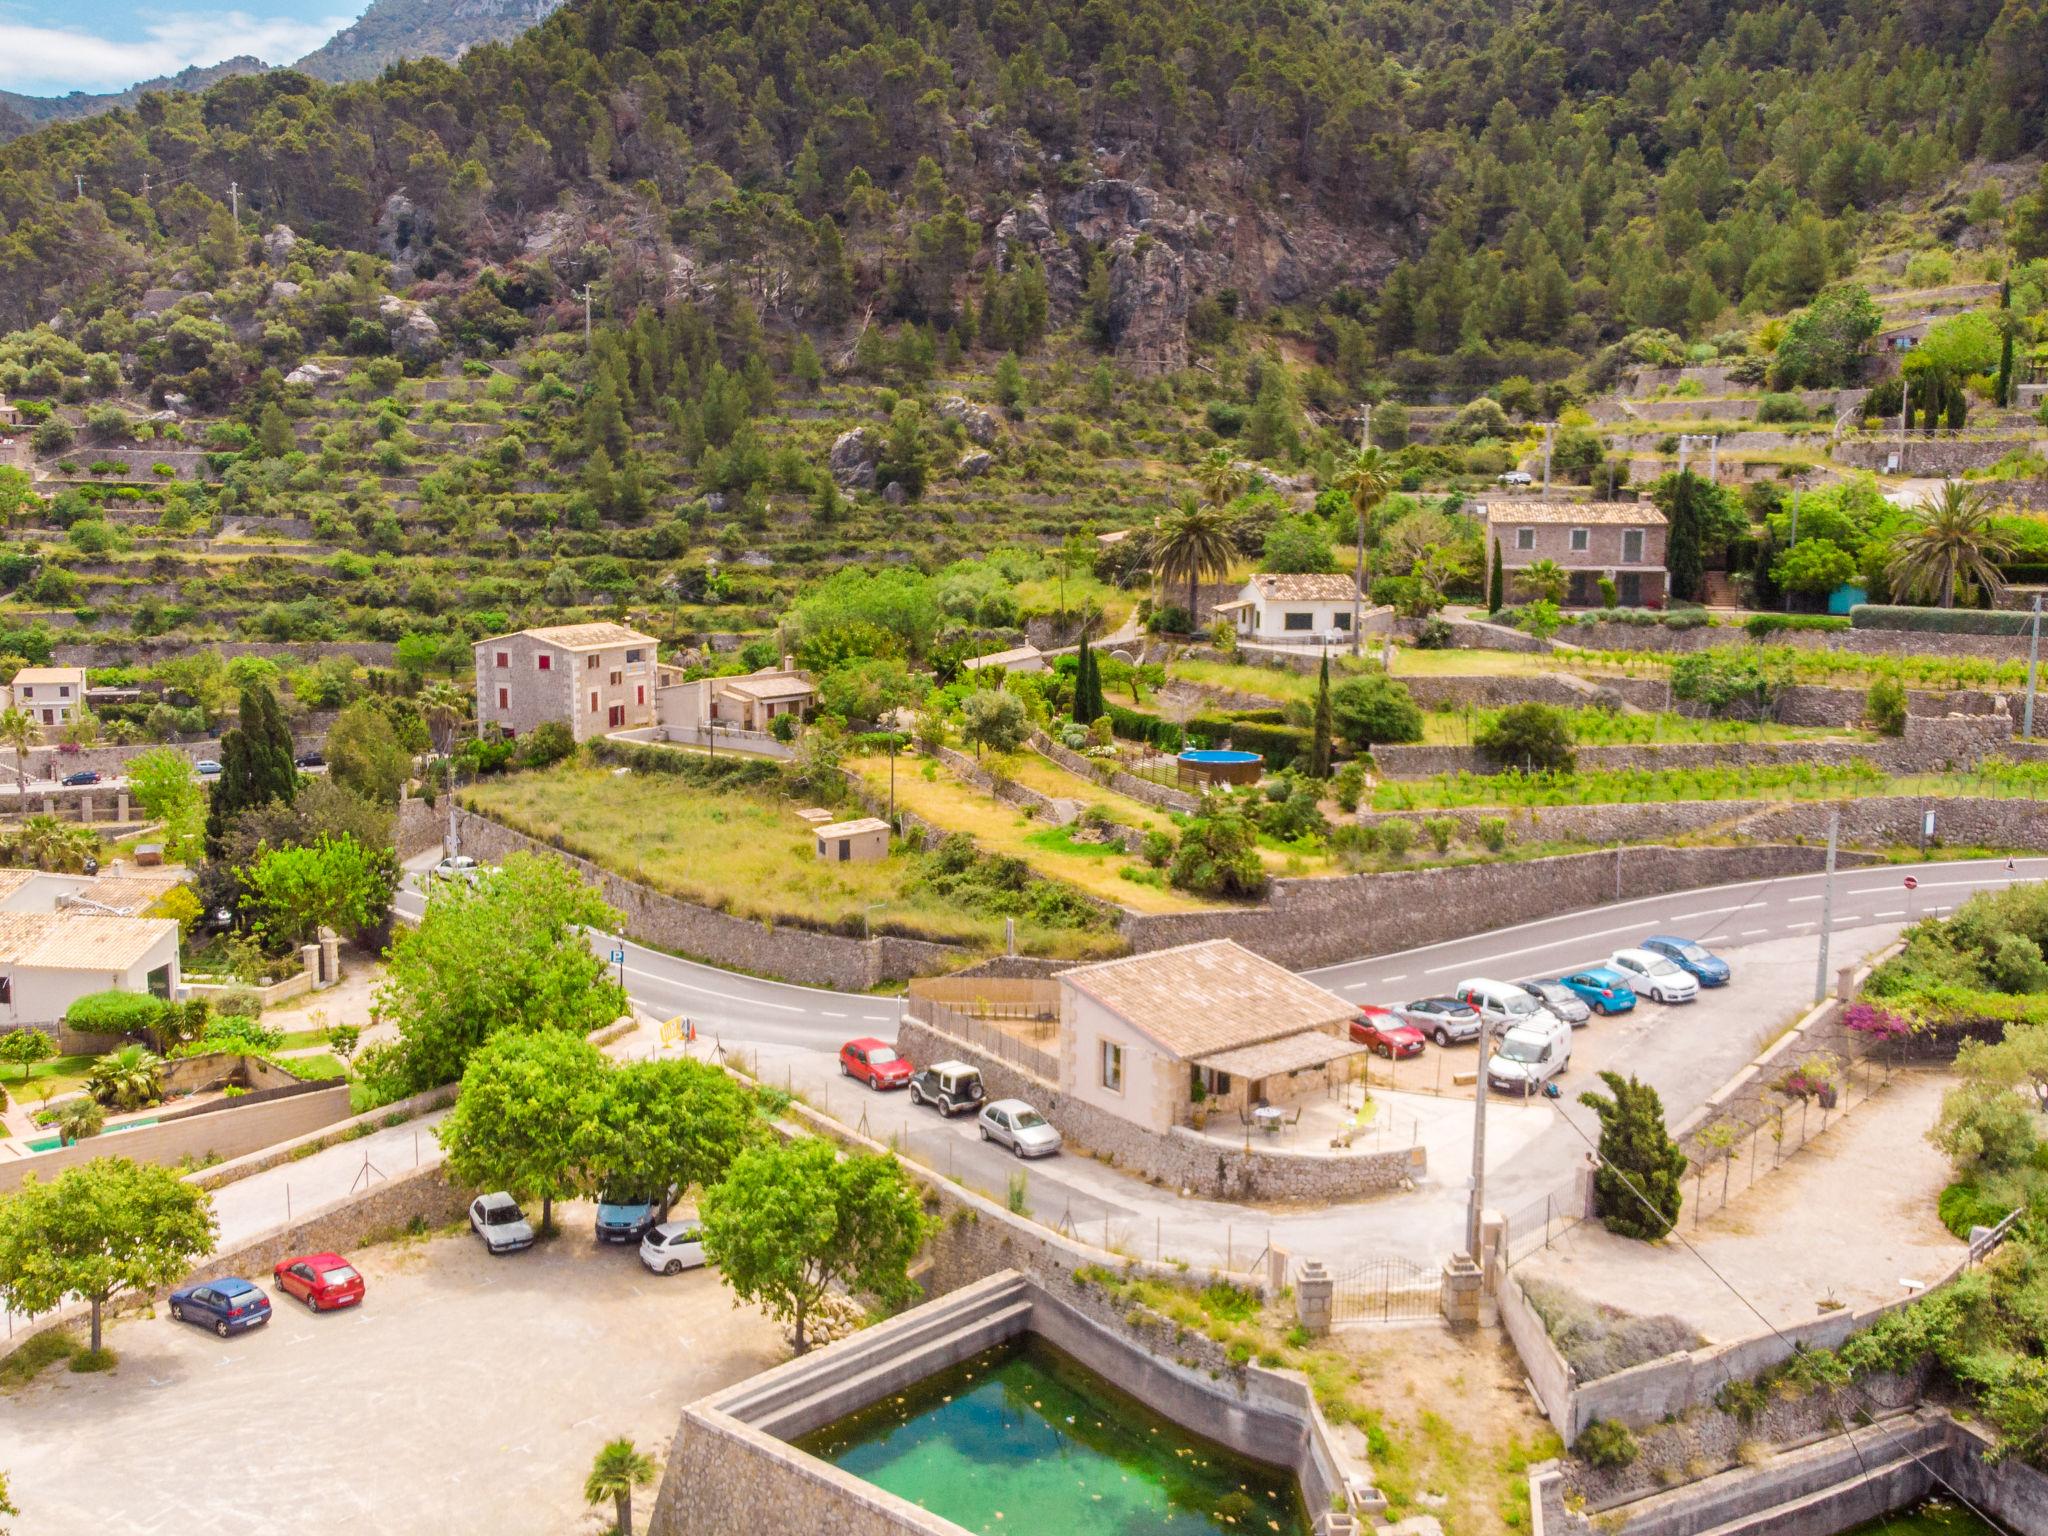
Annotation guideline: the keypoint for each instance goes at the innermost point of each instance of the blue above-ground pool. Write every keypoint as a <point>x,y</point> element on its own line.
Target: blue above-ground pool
<point>1218,766</point>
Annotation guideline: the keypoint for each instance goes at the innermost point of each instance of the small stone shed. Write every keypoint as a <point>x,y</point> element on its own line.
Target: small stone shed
<point>846,842</point>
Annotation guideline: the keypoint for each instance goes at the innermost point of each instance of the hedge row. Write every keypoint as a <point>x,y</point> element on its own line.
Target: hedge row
<point>1940,621</point>
<point>724,770</point>
<point>1133,726</point>
<point>1278,744</point>
<point>1762,624</point>
<point>114,1013</point>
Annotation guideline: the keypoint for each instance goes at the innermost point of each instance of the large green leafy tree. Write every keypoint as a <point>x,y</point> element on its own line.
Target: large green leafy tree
<point>255,764</point>
<point>516,1124</point>
<point>336,883</point>
<point>668,1125</point>
<point>793,1219</point>
<point>97,1230</point>
<point>1374,708</point>
<point>508,954</point>
<point>1637,1189</point>
<point>1823,344</point>
<point>168,791</point>
<point>363,754</point>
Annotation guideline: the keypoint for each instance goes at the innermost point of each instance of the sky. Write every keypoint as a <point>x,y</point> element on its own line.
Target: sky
<point>108,45</point>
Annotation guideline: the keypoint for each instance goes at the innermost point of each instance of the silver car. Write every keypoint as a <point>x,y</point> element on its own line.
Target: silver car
<point>1019,1127</point>
<point>498,1220</point>
<point>1559,999</point>
<point>1444,1019</point>
<point>457,866</point>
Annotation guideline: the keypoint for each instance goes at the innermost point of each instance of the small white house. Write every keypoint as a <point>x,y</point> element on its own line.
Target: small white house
<point>849,842</point>
<point>48,960</point>
<point>1283,609</point>
<point>50,696</point>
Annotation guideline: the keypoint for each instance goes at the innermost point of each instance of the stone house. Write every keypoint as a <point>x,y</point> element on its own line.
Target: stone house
<point>1624,540</point>
<point>1278,609</point>
<point>859,841</point>
<point>10,414</point>
<point>593,678</point>
<point>50,696</point>
<point>748,701</point>
<point>48,960</point>
<point>1147,1037</point>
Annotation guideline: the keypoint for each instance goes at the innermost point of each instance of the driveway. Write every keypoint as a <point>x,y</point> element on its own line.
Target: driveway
<point>468,1394</point>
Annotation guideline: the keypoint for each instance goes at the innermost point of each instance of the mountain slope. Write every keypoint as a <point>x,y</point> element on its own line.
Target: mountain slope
<point>391,30</point>
<point>23,114</point>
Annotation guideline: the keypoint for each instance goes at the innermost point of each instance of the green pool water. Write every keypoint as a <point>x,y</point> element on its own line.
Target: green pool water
<point>1023,1439</point>
<point>1930,1517</point>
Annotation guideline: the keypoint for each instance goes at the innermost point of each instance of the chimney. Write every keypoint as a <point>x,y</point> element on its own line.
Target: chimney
<point>788,662</point>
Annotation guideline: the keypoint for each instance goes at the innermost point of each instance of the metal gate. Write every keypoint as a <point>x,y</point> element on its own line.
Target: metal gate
<point>1385,1291</point>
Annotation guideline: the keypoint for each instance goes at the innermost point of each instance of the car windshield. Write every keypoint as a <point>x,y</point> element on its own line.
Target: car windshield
<point>1521,1050</point>
<point>1662,968</point>
<point>1027,1119</point>
<point>498,1215</point>
<point>881,1056</point>
<point>1692,952</point>
<point>1518,1003</point>
<point>341,1274</point>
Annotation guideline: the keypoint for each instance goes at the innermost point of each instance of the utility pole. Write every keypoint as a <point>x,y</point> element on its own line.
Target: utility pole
<point>1358,577</point>
<point>145,186</point>
<point>78,181</point>
<point>1684,442</point>
<point>1548,428</point>
<point>1795,539</point>
<point>1905,414</point>
<point>2033,663</point>
<point>1827,910</point>
<point>1714,458</point>
<point>235,202</point>
<point>1472,1213</point>
<point>586,314</point>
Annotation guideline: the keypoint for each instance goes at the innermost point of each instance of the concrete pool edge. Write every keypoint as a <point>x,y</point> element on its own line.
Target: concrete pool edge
<point>730,1471</point>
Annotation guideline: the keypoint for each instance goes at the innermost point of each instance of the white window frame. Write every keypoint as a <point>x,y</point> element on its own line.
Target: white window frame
<point>1306,625</point>
<point>1525,540</point>
<point>1582,540</point>
<point>1113,1067</point>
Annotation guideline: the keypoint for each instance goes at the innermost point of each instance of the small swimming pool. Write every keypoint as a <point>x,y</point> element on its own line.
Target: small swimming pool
<point>52,1143</point>
<point>1219,766</point>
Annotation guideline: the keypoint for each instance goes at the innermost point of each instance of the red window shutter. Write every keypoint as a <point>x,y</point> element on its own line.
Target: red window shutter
<point>504,698</point>
<point>593,703</point>
<point>640,694</point>
<point>546,663</point>
<point>504,659</point>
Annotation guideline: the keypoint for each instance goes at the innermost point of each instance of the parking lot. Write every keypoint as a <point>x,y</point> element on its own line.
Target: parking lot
<point>468,1394</point>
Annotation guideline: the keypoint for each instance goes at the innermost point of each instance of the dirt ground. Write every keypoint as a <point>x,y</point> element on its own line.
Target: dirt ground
<point>1457,1429</point>
<point>1850,1218</point>
<point>347,1002</point>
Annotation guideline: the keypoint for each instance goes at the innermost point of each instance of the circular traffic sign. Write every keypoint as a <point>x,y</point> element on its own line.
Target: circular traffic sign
<point>1912,884</point>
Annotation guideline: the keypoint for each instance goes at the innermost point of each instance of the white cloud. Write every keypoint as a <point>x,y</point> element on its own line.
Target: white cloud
<point>49,61</point>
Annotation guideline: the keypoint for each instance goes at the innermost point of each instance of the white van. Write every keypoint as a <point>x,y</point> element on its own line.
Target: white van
<point>1529,1055</point>
<point>1501,1004</point>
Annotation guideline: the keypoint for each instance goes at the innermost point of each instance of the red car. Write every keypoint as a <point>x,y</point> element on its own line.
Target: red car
<point>1385,1035</point>
<point>323,1281</point>
<point>874,1062</point>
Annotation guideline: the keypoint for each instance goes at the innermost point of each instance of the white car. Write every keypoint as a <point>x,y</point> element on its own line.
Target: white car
<point>498,1220</point>
<point>1654,977</point>
<point>672,1247</point>
<point>457,866</point>
<point>1517,477</point>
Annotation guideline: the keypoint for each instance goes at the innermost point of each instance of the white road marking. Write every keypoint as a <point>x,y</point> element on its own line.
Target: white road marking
<point>1398,976</point>
<point>1756,933</point>
<point>828,1013</point>
<point>1537,949</point>
<point>730,997</point>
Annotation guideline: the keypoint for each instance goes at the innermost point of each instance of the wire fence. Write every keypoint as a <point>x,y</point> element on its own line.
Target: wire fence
<point>985,1037</point>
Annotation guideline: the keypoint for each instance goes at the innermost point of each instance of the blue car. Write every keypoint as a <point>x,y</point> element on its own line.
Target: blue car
<point>1708,969</point>
<point>625,1218</point>
<point>1603,990</point>
<point>226,1306</point>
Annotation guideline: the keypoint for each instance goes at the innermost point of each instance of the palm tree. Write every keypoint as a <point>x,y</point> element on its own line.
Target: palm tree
<point>618,1470</point>
<point>1366,477</point>
<point>48,843</point>
<point>1544,578</point>
<point>1220,478</point>
<point>127,1078</point>
<point>1949,542</point>
<point>18,729</point>
<point>442,706</point>
<point>78,1118</point>
<point>1193,541</point>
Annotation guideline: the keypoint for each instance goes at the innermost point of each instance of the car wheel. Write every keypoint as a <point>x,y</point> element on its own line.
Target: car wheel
<point>842,1070</point>
<point>1018,1148</point>
<point>311,1304</point>
<point>984,1131</point>
<point>672,1267</point>
<point>221,1329</point>
<point>916,1095</point>
<point>1443,1038</point>
<point>177,1313</point>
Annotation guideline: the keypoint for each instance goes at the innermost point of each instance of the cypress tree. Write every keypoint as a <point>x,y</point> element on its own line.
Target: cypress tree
<point>255,765</point>
<point>2004,395</point>
<point>1637,1190</point>
<point>1088,707</point>
<point>1497,587</point>
<point>1319,753</point>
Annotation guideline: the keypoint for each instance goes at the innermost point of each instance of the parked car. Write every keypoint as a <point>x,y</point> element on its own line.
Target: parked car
<point>309,760</point>
<point>1516,477</point>
<point>325,1282</point>
<point>1560,999</point>
<point>83,776</point>
<point>627,1216</point>
<point>673,1246</point>
<point>1384,1035</point>
<point>218,920</point>
<point>1698,962</point>
<point>206,768</point>
<point>456,866</point>
<point>1019,1127</point>
<point>233,1305</point>
<point>1443,1019</point>
<point>875,1063</point>
<point>1501,1004</point>
<point>498,1220</point>
<point>1654,977</point>
<point>1605,991</point>
<point>948,1086</point>
<point>1529,1055</point>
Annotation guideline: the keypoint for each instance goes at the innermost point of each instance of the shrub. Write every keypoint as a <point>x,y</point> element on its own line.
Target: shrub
<point>1598,1340</point>
<point>1374,708</point>
<point>1964,1205</point>
<point>1396,838</point>
<point>1940,621</point>
<point>1440,830</point>
<point>1529,738</point>
<point>1493,833</point>
<point>1780,408</point>
<point>1885,705</point>
<point>1219,856</point>
<point>1759,626</point>
<point>1606,1443</point>
<point>1434,634</point>
<point>115,1013</point>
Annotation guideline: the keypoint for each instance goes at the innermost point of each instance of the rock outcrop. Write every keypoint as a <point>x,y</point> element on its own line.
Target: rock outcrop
<point>977,421</point>
<point>279,243</point>
<point>853,460</point>
<point>1148,307</point>
<point>414,335</point>
<point>974,463</point>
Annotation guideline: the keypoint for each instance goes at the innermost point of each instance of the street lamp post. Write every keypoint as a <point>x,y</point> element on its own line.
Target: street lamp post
<point>1478,1205</point>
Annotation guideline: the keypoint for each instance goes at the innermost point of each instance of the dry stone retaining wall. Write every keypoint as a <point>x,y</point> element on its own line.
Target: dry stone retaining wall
<point>668,922</point>
<point>1143,790</point>
<point>1859,642</point>
<point>1180,1159</point>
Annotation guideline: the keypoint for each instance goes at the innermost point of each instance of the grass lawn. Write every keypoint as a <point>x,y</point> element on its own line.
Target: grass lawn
<point>945,802</point>
<point>1273,682</point>
<point>1596,728</point>
<point>1049,778</point>
<point>60,1074</point>
<point>1410,662</point>
<point>742,853</point>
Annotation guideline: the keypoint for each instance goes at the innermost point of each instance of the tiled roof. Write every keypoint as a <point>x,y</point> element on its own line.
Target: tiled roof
<point>1305,588</point>
<point>49,675</point>
<point>79,941</point>
<point>582,637</point>
<point>1203,998</point>
<point>1578,514</point>
<point>1005,658</point>
<point>782,687</point>
<point>128,893</point>
<point>12,880</point>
